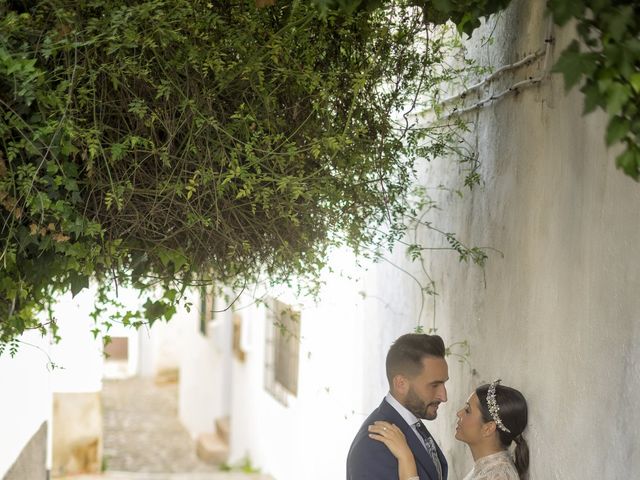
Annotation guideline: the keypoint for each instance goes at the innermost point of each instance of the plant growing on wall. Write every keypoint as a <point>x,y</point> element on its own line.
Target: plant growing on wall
<point>605,58</point>
<point>155,142</point>
<point>465,14</point>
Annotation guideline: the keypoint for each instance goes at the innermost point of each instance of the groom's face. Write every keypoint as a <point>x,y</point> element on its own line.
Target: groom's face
<point>427,390</point>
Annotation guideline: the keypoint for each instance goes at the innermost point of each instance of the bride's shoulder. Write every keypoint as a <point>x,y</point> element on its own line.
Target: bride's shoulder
<point>497,473</point>
<point>498,467</point>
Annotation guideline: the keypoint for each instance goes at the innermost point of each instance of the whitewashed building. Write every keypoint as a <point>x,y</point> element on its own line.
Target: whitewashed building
<point>25,410</point>
<point>51,410</point>
<point>555,312</point>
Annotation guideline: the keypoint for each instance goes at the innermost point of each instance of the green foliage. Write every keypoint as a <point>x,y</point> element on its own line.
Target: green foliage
<point>465,14</point>
<point>244,465</point>
<point>606,57</point>
<point>607,60</point>
<point>162,143</point>
<point>167,143</point>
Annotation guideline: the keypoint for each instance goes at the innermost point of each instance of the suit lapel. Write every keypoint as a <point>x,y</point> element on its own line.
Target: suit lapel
<point>419,452</point>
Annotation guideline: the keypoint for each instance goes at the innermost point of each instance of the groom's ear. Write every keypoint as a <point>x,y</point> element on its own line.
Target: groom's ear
<point>401,384</point>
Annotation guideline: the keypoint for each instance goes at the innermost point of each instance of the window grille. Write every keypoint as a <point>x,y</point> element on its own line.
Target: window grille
<point>282,350</point>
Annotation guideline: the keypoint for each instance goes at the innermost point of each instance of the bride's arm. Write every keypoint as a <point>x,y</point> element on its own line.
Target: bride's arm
<point>395,441</point>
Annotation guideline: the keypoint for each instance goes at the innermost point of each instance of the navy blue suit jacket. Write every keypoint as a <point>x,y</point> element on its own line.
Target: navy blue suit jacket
<point>371,460</point>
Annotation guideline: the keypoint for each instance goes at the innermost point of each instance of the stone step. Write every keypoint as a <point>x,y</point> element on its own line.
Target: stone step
<point>212,449</point>
<point>223,427</point>
<point>167,376</point>
<point>110,475</point>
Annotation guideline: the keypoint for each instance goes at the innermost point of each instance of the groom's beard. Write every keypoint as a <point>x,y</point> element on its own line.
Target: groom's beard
<point>418,407</point>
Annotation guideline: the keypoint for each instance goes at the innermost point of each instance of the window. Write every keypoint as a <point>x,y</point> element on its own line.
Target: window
<point>207,307</point>
<point>238,352</point>
<point>117,349</point>
<point>282,350</point>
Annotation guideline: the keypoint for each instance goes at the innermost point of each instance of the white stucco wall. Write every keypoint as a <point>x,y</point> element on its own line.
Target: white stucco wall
<point>157,348</point>
<point>558,315</point>
<point>284,441</point>
<point>78,354</point>
<point>205,385</point>
<point>25,399</point>
<point>151,350</point>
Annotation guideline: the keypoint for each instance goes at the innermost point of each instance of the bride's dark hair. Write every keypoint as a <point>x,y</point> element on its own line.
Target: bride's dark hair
<point>513,413</point>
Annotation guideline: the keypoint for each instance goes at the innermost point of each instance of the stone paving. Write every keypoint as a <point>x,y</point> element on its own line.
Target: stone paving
<point>169,476</point>
<point>144,440</point>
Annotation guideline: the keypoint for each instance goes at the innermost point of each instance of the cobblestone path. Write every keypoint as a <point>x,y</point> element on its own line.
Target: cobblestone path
<point>144,440</point>
<point>142,432</point>
<point>169,476</point>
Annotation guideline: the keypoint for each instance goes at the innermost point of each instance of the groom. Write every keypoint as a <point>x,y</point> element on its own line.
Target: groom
<point>417,372</point>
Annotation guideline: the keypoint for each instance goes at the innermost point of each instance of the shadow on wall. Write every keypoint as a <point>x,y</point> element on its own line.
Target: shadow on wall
<point>77,433</point>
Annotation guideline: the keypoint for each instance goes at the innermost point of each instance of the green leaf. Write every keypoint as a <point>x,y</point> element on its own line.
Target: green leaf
<point>618,94</point>
<point>629,162</point>
<point>592,97</point>
<point>634,80</point>
<point>117,151</point>
<point>565,10</point>
<point>617,130</point>
<point>573,64</point>
<point>78,283</point>
<point>153,310</point>
<point>617,21</point>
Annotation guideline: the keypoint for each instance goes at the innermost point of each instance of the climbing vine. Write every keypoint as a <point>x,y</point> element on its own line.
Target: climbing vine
<point>164,144</point>
<point>606,60</point>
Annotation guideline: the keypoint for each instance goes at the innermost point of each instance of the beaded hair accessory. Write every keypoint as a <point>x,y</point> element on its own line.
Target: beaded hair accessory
<point>494,409</point>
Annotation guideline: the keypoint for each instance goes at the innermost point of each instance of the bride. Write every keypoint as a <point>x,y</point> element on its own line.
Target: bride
<point>492,419</point>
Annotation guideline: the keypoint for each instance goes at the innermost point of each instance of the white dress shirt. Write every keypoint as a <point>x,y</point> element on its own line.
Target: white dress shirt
<point>408,417</point>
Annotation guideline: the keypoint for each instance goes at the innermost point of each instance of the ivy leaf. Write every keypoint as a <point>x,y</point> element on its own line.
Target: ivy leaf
<point>154,310</point>
<point>597,5</point>
<point>629,162</point>
<point>634,80</point>
<point>78,282</point>
<point>573,64</point>
<point>618,95</point>
<point>592,97</point>
<point>618,20</point>
<point>617,129</point>
<point>443,5</point>
<point>565,10</point>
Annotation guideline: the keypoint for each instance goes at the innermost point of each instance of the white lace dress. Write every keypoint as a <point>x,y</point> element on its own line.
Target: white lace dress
<point>498,466</point>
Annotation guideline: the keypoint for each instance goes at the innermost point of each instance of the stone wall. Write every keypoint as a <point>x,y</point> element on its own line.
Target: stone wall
<point>77,433</point>
<point>32,461</point>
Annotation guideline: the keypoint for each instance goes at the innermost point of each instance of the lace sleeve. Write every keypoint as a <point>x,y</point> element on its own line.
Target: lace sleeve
<point>498,472</point>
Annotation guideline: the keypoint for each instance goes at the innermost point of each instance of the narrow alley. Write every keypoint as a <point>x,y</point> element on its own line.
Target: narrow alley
<point>144,440</point>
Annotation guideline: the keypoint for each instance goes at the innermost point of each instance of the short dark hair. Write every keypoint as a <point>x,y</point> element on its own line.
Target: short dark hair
<point>514,415</point>
<point>406,354</point>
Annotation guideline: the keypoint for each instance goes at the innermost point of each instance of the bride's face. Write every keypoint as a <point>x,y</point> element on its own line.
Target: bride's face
<point>469,427</point>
